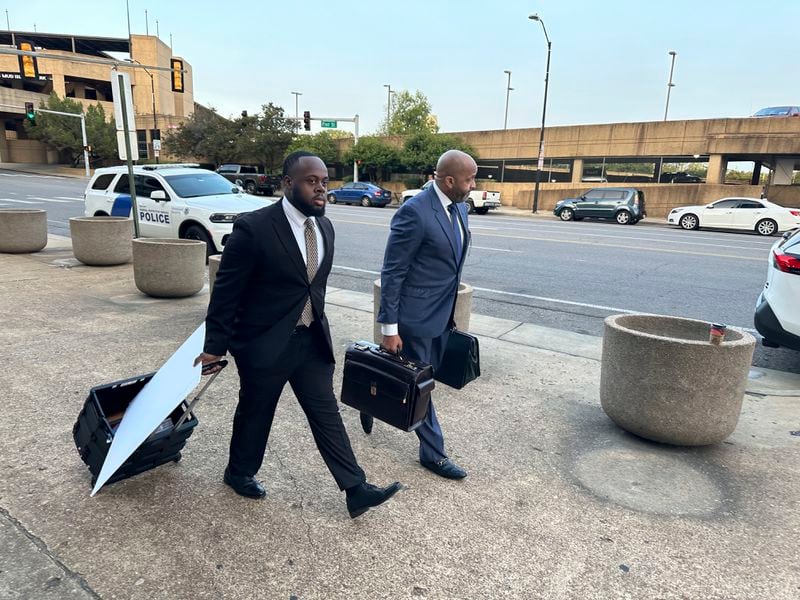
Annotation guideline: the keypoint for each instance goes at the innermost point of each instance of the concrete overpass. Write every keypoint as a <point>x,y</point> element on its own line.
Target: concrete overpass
<point>573,153</point>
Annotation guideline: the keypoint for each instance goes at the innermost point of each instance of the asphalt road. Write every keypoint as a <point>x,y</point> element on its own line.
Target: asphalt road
<point>562,275</point>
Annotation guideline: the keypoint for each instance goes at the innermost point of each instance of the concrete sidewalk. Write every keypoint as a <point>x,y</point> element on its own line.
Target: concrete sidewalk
<point>559,503</point>
<point>52,170</point>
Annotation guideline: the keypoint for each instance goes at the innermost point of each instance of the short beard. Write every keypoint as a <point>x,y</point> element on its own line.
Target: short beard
<point>308,211</point>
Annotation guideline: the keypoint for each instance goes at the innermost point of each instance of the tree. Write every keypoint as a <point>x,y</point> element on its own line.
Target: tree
<point>101,134</point>
<point>204,135</point>
<point>267,136</point>
<point>422,150</point>
<point>64,133</point>
<point>374,155</point>
<point>411,114</point>
<point>322,144</point>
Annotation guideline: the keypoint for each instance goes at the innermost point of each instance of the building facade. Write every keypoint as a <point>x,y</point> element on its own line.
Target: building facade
<point>161,99</point>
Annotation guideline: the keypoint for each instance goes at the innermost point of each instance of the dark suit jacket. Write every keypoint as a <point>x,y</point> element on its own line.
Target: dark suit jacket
<point>421,271</point>
<point>261,288</point>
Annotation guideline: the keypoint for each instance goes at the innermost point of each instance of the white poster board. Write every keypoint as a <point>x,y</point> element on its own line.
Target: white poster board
<point>173,382</point>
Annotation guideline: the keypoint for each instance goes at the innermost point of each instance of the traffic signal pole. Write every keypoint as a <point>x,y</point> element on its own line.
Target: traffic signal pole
<point>83,132</point>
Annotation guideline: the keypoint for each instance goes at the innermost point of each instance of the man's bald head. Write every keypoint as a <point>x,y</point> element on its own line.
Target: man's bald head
<point>455,174</point>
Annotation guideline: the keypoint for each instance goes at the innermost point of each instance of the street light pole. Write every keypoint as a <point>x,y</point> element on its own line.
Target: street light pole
<point>388,105</point>
<point>297,108</point>
<point>670,85</point>
<point>540,161</point>
<point>508,91</point>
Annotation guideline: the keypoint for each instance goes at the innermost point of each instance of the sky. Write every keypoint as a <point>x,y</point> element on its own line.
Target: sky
<point>610,59</point>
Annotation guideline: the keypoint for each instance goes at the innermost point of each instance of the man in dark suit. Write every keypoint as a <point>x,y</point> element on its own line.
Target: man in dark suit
<point>419,281</point>
<point>268,310</point>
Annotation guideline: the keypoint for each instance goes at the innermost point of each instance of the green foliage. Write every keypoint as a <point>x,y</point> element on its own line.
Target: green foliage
<point>64,133</point>
<point>101,134</point>
<point>411,114</point>
<point>262,138</point>
<point>376,156</point>
<point>322,144</point>
<point>422,150</point>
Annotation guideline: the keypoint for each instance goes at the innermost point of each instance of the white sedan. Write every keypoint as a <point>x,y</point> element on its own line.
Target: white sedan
<point>777,316</point>
<point>751,214</point>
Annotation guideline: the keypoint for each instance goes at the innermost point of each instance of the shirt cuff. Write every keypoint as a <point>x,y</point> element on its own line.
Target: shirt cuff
<point>388,328</point>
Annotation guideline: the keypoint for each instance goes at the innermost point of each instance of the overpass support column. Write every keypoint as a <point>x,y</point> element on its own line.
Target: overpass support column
<point>577,170</point>
<point>756,178</point>
<point>717,166</point>
<point>784,169</point>
<point>4,152</point>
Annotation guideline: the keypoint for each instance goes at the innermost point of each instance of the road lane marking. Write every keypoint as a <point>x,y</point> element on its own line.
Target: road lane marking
<point>49,200</point>
<point>625,247</point>
<point>612,309</point>
<point>579,243</point>
<point>72,198</point>
<point>496,249</point>
<point>19,201</point>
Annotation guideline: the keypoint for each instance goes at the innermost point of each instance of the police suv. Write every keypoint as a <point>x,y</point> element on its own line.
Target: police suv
<point>174,200</point>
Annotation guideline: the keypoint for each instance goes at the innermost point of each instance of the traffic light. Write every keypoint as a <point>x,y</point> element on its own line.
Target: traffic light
<point>28,68</point>
<point>307,120</point>
<point>30,112</point>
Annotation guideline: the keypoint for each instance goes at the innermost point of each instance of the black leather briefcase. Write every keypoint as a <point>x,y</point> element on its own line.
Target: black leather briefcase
<point>461,362</point>
<point>385,385</point>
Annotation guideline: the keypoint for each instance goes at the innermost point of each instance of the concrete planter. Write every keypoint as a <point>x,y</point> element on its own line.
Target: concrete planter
<point>101,241</point>
<point>461,316</point>
<point>213,267</point>
<point>22,230</point>
<point>169,267</point>
<point>662,380</point>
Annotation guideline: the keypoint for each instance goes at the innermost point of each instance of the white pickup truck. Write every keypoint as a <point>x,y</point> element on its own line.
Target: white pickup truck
<point>478,202</point>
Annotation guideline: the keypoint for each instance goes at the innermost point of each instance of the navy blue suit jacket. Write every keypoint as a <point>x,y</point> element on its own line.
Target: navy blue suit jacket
<point>421,271</point>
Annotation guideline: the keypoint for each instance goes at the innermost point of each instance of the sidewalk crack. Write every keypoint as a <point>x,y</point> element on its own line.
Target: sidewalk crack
<point>299,494</point>
<point>42,546</point>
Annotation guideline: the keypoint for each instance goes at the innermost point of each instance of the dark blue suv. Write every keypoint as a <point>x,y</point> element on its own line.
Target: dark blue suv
<point>358,192</point>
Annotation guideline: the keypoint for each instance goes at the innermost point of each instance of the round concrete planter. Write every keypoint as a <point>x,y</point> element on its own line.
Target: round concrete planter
<point>461,316</point>
<point>101,241</point>
<point>662,380</point>
<point>213,267</point>
<point>169,267</point>
<point>22,230</point>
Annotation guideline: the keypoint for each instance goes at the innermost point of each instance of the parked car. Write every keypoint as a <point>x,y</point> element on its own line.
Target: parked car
<point>680,177</point>
<point>625,205</point>
<point>248,177</point>
<point>779,111</point>
<point>359,192</point>
<point>174,201</point>
<point>777,316</point>
<point>479,201</point>
<point>750,214</point>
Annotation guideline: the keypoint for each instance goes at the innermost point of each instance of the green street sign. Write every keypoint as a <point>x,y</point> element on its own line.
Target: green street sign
<point>329,124</point>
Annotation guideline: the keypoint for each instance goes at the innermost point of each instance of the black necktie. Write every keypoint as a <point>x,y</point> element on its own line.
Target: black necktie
<point>456,229</point>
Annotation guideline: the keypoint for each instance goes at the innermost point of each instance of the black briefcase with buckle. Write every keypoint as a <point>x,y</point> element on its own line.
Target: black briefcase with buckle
<point>386,386</point>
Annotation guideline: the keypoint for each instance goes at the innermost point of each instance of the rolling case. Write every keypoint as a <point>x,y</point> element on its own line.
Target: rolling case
<point>387,386</point>
<point>102,411</point>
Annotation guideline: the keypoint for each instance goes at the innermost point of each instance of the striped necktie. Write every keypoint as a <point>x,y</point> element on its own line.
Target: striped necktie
<point>312,257</point>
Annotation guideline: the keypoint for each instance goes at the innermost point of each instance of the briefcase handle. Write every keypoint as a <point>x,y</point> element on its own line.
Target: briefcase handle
<point>398,358</point>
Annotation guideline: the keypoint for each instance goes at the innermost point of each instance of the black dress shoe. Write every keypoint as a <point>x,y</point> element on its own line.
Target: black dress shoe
<point>444,468</point>
<point>245,485</point>
<point>366,422</point>
<point>365,496</point>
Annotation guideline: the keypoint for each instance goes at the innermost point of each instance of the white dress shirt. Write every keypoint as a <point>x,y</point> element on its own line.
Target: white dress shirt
<point>297,221</point>
<point>391,328</point>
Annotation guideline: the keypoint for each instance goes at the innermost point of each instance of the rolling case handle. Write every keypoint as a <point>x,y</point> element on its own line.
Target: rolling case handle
<point>223,363</point>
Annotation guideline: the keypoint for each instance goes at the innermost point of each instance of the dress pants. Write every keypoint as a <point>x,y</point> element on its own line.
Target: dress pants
<point>307,368</point>
<point>429,350</point>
